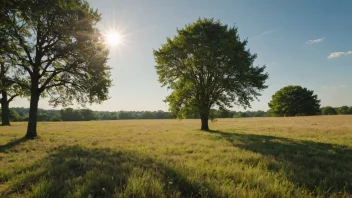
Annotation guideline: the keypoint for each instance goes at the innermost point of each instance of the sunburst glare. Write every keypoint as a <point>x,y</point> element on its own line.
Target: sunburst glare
<point>113,38</point>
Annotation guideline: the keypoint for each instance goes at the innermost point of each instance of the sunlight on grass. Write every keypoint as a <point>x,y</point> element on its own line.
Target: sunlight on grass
<point>259,157</point>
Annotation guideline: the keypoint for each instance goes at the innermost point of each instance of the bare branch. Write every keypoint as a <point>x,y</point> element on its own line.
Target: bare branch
<point>13,97</point>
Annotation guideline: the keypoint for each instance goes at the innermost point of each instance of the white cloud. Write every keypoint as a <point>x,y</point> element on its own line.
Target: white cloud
<point>339,54</point>
<point>315,41</point>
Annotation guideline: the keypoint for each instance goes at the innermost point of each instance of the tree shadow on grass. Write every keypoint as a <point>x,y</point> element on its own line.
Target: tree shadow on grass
<point>4,148</point>
<point>76,171</point>
<point>322,168</point>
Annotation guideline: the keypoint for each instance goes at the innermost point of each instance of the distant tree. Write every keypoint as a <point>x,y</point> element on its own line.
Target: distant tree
<point>8,89</point>
<point>61,52</point>
<point>349,110</point>
<point>43,117</point>
<point>260,113</point>
<point>294,101</point>
<point>207,66</point>
<point>328,110</point>
<point>88,114</point>
<point>55,119</point>
<point>343,110</point>
<point>223,113</point>
<point>14,115</point>
<point>70,114</point>
<point>125,115</point>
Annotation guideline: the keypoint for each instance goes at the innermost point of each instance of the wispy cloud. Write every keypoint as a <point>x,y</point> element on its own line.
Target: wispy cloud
<point>315,40</point>
<point>339,54</point>
<point>334,87</point>
<point>264,33</point>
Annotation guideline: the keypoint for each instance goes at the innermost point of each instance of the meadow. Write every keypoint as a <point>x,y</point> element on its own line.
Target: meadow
<point>246,157</point>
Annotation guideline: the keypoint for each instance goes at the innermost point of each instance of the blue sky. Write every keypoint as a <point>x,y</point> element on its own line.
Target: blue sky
<point>307,43</point>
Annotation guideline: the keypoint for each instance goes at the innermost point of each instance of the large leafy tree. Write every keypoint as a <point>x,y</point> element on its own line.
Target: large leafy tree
<point>294,101</point>
<point>61,53</point>
<point>206,65</point>
<point>8,89</point>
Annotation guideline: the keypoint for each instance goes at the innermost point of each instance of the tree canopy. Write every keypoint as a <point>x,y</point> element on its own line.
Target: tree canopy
<point>61,53</point>
<point>207,65</point>
<point>328,110</point>
<point>343,110</point>
<point>294,101</point>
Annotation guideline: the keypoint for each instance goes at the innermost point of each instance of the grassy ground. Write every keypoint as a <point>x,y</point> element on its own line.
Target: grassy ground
<point>254,157</point>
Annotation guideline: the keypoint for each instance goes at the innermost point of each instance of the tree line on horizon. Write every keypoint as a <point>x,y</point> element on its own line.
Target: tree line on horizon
<point>20,114</point>
<point>54,49</point>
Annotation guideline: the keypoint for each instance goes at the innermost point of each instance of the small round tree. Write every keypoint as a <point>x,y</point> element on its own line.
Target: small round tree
<point>329,111</point>
<point>343,110</point>
<point>294,101</point>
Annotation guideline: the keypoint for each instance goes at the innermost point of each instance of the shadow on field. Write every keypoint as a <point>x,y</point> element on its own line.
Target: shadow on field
<point>318,166</point>
<point>13,143</point>
<point>76,171</point>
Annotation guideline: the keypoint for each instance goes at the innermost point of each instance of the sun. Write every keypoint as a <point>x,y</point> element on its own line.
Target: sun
<point>113,38</point>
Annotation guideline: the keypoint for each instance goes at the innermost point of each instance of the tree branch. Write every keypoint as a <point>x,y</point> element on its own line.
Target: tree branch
<point>23,46</point>
<point>62,82</point>
<point>13,97</point>
<point>20,84</point>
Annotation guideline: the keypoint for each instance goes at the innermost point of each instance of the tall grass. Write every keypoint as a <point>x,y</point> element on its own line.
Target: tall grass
<point>254,157</point>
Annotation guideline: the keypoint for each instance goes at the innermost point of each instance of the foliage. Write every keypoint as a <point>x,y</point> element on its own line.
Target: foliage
<point>206,66</point>
<point>294,101</point>
<point>262,157</point>
<point>328,110</point>
<point>62,54</point>
<point>55,119</point>
<point>70,114</point>
<point>343,110</point>
<point>14,115</point>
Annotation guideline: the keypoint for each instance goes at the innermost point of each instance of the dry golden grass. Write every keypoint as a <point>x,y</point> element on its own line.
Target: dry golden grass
<point>248,157</point>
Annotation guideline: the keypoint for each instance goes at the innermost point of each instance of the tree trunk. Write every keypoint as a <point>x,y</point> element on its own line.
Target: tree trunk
<point>204,119</point>
<point>33,113</point>
<point>5,112</point>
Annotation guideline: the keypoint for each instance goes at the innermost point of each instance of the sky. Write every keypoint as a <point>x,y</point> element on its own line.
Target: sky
<point>307,43</point>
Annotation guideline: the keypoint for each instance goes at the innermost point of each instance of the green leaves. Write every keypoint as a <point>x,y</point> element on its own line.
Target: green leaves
<point>207,65</point>
<point>59,49</point>
<point>328,110</point>
<point>294,101</point>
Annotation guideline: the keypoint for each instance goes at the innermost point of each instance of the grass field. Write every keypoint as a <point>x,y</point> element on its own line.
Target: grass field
<point>248,157</point>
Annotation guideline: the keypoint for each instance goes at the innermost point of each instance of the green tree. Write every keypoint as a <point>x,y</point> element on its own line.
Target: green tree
<point>294,101</point>
<point>207,66</point>
<point>55,118</point>
<point>14,115</point>
<point>8,89</point>
<point>343,110</point>
<point>328,110</point>
<point>88,114</point>
<point>349,110</point>
<point>62,54</point>
<point>70,114</point>
<point>43,117</point>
